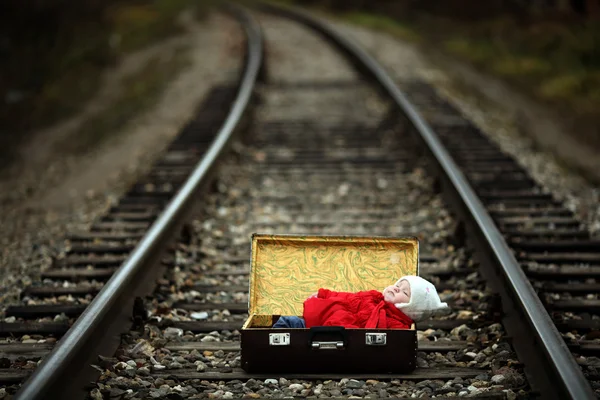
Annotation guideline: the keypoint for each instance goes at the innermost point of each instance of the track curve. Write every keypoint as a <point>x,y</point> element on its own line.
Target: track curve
<point>89,333</point>
<point>295,177</point>
<point>556,372</point>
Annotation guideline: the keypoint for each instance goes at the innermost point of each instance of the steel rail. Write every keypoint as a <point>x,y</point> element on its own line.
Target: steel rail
<point>53,377</point>
<point>554,373</point>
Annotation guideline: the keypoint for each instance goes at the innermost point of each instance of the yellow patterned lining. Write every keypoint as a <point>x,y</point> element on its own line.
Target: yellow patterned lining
<point>259,321</point>
<point>286,270</point>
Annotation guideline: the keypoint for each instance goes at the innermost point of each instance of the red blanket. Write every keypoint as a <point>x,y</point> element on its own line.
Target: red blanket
<point>353,310</point>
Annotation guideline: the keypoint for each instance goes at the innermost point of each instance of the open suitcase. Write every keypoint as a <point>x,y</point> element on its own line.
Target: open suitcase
<point>286,269</point>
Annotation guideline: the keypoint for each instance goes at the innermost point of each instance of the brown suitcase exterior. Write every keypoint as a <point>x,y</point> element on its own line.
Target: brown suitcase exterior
<point>286,269</point>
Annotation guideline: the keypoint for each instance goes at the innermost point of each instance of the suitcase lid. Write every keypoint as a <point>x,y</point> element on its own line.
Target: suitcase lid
<point>286,269</point>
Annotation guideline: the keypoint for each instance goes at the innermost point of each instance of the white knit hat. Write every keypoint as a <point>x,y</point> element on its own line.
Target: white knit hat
<point>424,299</point>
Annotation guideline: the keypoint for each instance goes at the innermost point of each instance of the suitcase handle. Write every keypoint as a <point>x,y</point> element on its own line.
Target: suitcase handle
<point>329,345</point>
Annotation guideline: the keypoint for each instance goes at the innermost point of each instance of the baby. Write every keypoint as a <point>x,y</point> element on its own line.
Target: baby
<point>410,299</point>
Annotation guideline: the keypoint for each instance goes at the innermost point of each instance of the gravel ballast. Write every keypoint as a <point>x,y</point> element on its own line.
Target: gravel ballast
<point>405,62</point>
<point>249,187</point>
<point>41,202</point>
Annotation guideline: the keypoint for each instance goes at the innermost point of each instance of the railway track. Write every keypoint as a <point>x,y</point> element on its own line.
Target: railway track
<point>323,155</point>
<point>86,298</point>
<point>556,251</point>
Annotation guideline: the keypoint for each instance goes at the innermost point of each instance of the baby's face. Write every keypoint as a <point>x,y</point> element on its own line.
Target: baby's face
<point>399,293</point>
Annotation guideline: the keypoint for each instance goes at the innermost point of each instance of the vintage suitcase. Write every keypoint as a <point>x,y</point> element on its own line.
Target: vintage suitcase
<point>285,270</point>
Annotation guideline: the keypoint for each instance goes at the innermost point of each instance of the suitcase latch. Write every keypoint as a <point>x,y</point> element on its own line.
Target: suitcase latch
<point>279,339</point>
<point>376,338</point>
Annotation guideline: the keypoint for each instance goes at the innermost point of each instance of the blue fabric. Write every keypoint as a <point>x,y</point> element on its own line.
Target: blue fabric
<point>289,322</point>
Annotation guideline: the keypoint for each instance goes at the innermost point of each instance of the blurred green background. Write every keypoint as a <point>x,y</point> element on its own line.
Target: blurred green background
<point>54,51</point>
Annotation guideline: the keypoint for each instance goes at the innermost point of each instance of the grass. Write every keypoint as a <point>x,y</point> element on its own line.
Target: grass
<point>555,62</point>
<point>51,74</point>
<point>136,25</point>
<point>140,91</point>
<point>384,24</point>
